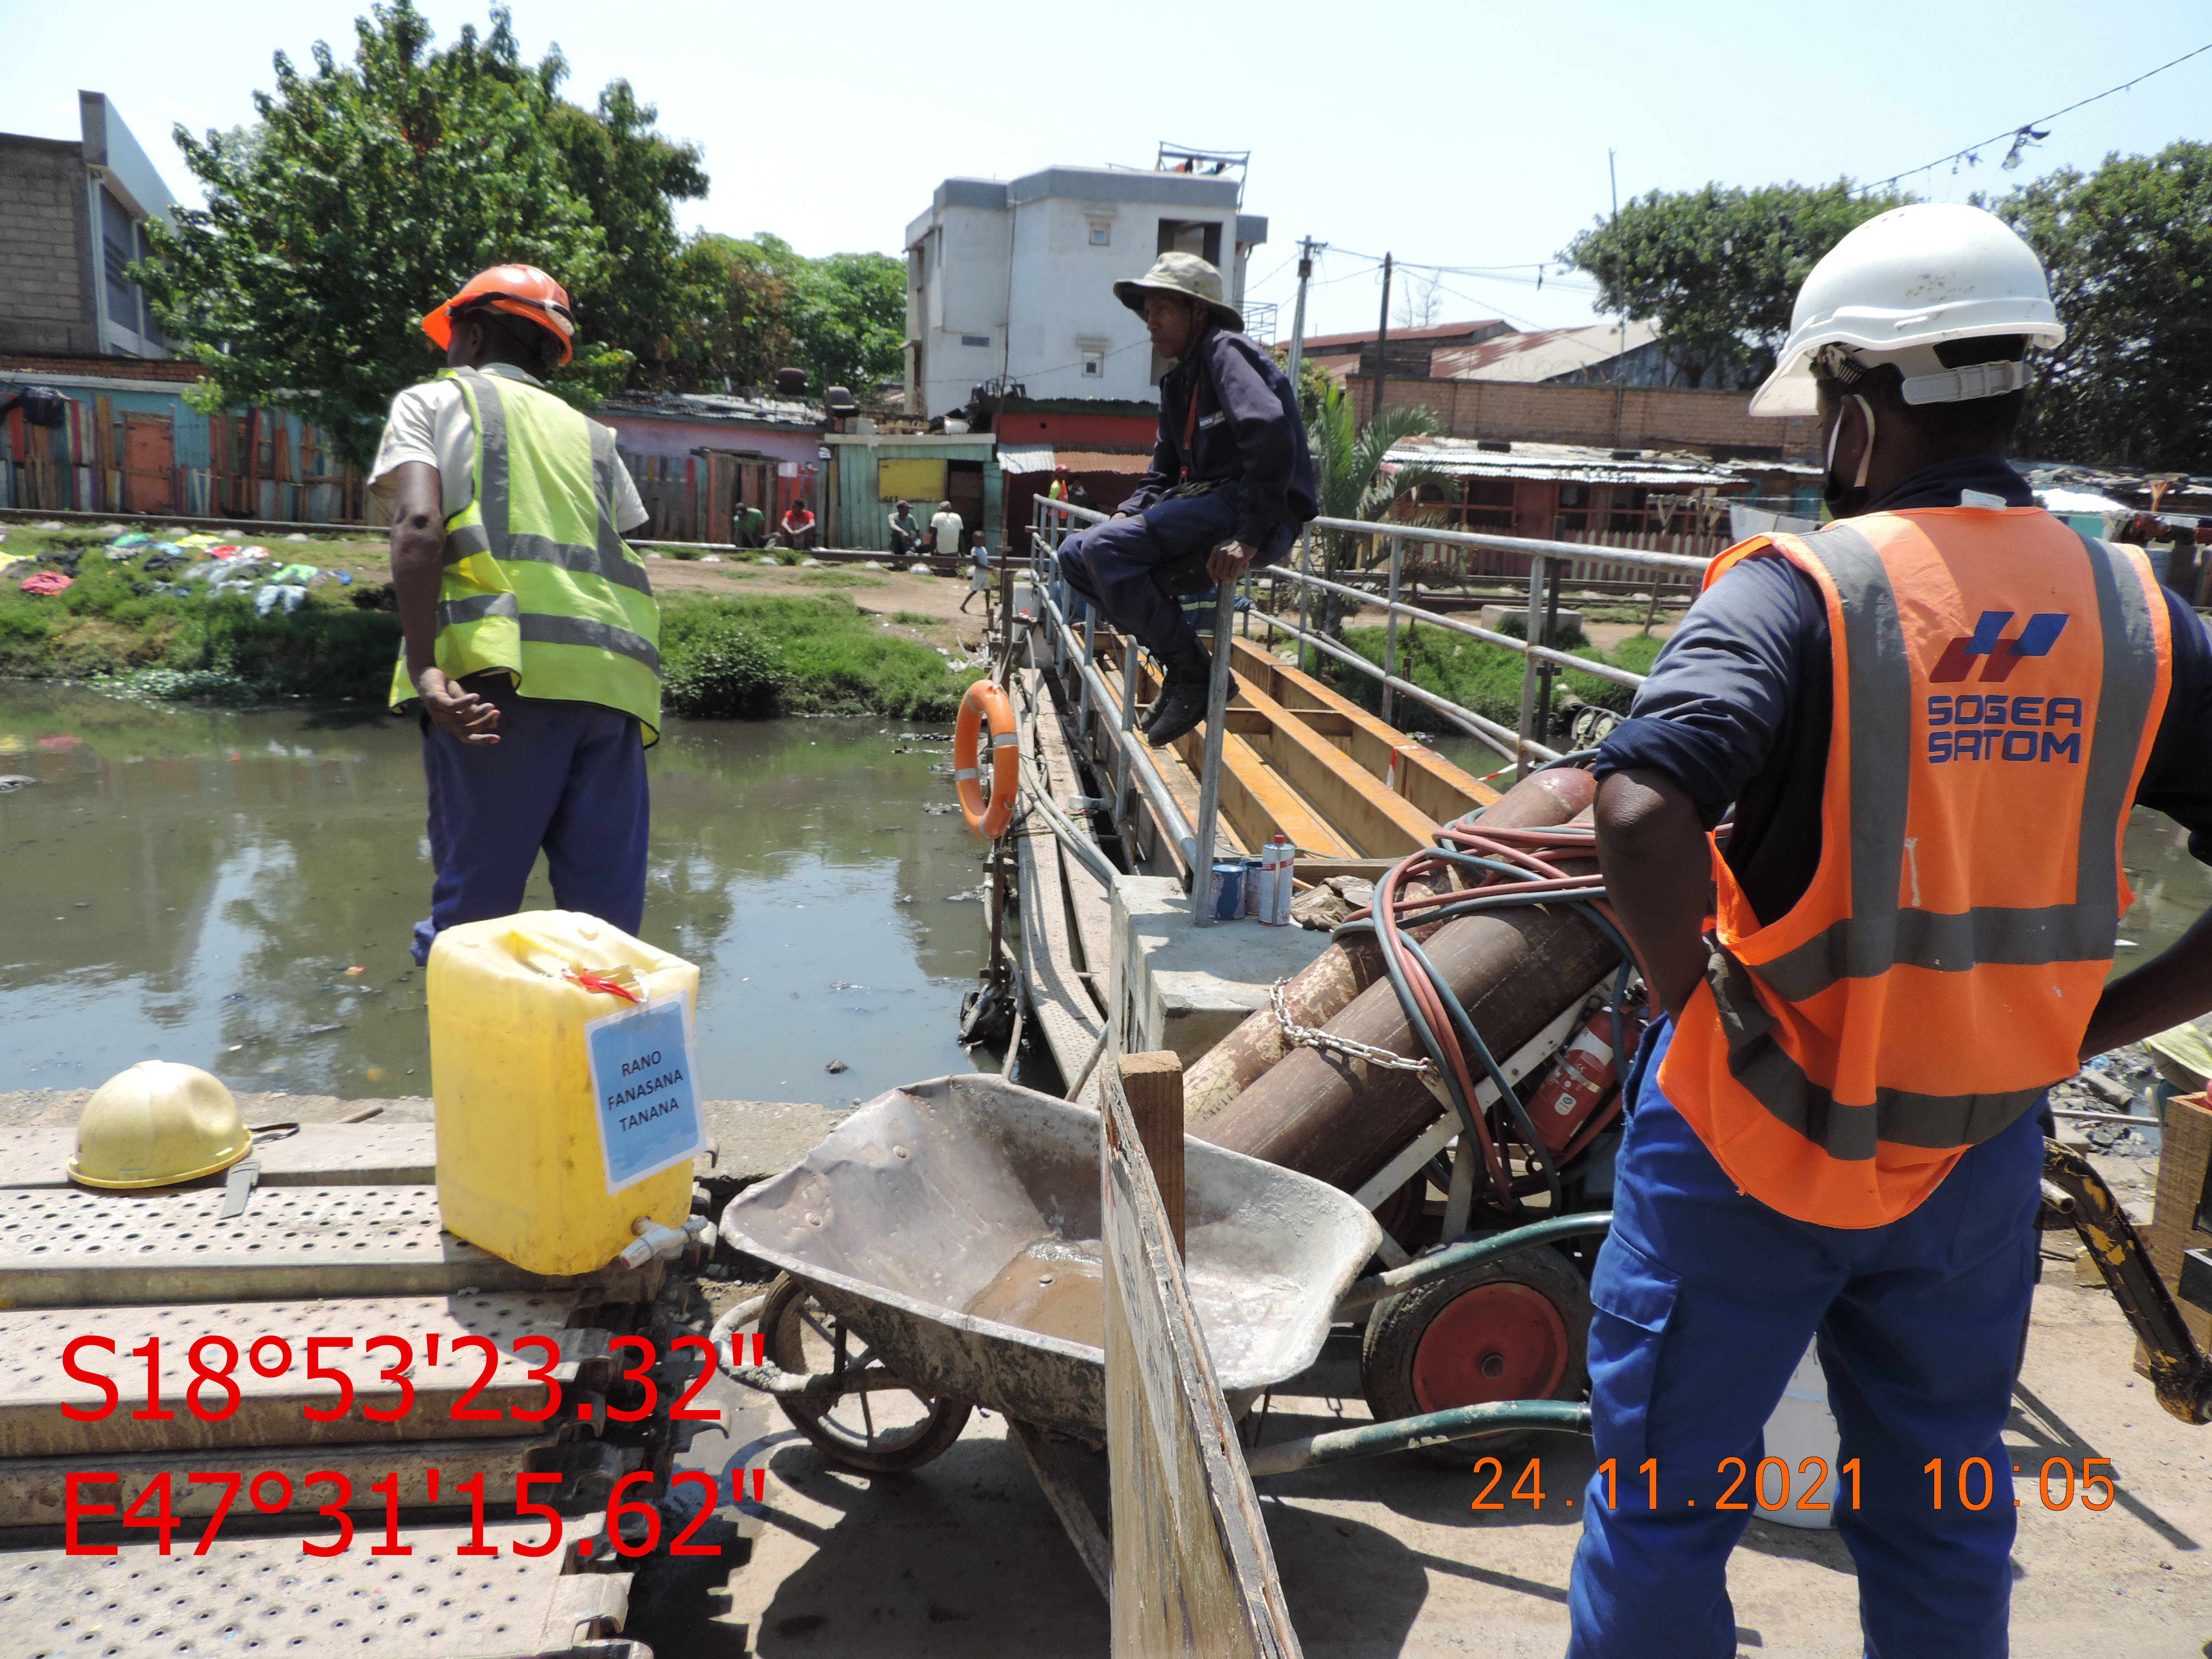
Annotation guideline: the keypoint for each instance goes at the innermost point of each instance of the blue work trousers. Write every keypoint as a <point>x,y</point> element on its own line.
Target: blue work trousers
<point>1705,1299</point>
<point>568,777</point>
<point>1111,564</point>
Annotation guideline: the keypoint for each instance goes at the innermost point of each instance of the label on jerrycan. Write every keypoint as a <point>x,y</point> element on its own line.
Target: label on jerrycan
<point>644,1090</point>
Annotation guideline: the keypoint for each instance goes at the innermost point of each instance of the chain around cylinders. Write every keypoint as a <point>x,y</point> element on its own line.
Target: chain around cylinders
<point>1308,1036</point>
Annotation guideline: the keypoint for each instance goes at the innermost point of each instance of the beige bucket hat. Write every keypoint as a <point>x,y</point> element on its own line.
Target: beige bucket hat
<point>1180,273</point>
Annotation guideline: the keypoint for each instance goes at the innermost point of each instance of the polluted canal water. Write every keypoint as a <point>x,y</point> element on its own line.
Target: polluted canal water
<point>235,889</point>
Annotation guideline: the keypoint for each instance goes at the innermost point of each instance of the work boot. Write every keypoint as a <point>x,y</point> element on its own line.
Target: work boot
<point>1183,699</point>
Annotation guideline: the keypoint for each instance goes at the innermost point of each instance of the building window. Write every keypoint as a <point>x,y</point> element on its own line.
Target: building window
<point>975,339</point>
<point>1094,365</point>
<point>1199,236</point>
<point>119,247</point>
<point>1102,235</point>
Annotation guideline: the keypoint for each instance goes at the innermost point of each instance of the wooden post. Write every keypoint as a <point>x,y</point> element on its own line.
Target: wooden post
<point>1191,1567</point>
<point>1153,1083</point>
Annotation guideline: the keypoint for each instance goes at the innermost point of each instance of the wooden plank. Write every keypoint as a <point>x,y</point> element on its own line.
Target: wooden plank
<point>1194,1572</point>
<point>1154,1084</point>
<point>1441,790</point>
<point>1045,1461</point>
<point>1256,801</point>
<point>2184,1180</point>
<point>1089,903</point>
<point>1370,817</point>
<point>1066,1011</point>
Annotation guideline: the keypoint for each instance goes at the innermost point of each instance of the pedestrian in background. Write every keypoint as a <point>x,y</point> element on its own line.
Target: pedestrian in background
<point>531,637</point>
<point>798,528</point>
<point>945,530</point>
<point>979,577</point>
<point>746,524</point>
<point>906,535</point>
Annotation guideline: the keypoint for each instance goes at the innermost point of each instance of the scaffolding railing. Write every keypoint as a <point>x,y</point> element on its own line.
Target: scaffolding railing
<point>1052,521</point>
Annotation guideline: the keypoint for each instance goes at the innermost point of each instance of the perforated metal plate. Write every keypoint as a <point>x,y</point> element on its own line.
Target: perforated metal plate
<point>263,1596</point>
<point>320,1155</point>
<point>35,1386</point>
<point>78,1249</point>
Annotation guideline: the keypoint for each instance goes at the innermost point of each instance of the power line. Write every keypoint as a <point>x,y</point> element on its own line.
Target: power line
<point>2026,132</point>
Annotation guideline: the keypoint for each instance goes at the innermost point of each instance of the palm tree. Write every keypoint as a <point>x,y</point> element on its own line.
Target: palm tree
<point>1352,483</point>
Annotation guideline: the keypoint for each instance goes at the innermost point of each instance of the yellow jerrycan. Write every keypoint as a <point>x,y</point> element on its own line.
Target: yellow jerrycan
<point>560,1059</point>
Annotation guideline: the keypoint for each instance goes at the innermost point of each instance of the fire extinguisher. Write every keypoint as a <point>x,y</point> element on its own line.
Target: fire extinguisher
<point>1580,1082</point>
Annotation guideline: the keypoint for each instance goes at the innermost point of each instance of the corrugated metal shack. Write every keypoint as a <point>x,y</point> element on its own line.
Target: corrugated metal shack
<point>1636,499</point>
<point>694,453</point>
<point>875,470</point>
<point>129,443</point>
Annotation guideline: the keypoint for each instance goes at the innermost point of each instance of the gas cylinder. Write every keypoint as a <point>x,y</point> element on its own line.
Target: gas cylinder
<point>1585,1074</point>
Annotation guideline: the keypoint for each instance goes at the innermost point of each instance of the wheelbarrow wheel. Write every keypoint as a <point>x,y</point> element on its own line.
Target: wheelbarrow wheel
<point>1512,1329</point>
<point>878,1431</point>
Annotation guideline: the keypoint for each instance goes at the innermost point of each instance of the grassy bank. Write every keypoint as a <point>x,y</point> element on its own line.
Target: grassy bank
<point>120,621</point>
<point>1486,678</point>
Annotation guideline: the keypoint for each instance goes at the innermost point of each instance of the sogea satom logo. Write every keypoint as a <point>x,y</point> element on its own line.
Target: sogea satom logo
<point>1994,726</point>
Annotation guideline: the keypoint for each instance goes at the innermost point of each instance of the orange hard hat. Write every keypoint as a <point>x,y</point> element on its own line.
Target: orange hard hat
<point>522,291</point>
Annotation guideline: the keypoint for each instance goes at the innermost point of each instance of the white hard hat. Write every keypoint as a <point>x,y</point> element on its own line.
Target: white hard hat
<point>1900,283</point>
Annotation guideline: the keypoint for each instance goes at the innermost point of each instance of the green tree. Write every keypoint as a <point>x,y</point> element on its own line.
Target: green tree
<point>1718,269</point>
<point>369,190</point>
<point>1350,481</point>
<point>754,306</point>
<point>736,308</point>
<point>2129,251</point>
<point>630,176</point>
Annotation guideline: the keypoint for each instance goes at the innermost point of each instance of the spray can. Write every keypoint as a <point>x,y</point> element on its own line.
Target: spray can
<point>1260,905</point>
<point>1257,875</point>
<point>1281,890</point>
<point>1585,1071</point>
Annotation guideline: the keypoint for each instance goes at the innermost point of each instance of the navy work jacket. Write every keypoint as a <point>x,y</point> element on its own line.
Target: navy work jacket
<point>1245,432</point>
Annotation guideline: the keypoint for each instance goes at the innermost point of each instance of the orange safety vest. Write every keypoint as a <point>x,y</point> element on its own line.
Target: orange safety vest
<point>1998,681</point>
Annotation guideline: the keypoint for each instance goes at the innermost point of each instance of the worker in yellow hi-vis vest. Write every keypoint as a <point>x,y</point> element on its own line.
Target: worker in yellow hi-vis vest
<point>531,637</point>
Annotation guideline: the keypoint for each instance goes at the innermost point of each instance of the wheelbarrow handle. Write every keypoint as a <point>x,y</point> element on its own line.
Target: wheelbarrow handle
<point>1405,1433</point>
<point>823,1388</point>
<point>1365,1292</point>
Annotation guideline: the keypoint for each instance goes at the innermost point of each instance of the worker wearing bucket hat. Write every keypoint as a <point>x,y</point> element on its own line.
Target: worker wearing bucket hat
<point>1931,717</point>
<point>531,636</point>
<point>1230,484</point>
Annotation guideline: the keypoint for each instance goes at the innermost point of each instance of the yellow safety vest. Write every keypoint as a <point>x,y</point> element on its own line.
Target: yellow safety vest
<point>538,584</point>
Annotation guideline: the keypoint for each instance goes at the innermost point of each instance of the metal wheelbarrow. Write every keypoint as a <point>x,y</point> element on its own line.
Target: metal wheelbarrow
<point>940,1250</point>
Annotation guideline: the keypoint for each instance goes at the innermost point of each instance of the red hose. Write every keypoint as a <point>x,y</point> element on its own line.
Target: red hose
<point>1533,850</point>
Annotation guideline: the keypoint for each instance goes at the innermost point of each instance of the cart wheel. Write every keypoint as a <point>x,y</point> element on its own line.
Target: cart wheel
<point>1515,1329</point>
<point>881,1431</point>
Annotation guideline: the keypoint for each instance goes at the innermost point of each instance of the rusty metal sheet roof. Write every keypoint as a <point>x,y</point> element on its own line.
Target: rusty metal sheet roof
<point>1561,463</point>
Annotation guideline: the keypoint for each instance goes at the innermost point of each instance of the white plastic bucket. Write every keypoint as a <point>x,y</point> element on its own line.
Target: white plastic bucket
<point>1802,1427</point>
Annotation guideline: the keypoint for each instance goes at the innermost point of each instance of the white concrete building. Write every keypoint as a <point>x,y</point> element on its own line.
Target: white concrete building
<point>1015,281</point>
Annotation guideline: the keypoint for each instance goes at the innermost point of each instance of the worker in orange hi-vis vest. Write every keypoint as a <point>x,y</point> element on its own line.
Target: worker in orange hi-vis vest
<point>1930,718</point>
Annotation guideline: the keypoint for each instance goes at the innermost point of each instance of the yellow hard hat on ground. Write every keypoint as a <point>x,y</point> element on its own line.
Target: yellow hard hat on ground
<point>157,1124</point>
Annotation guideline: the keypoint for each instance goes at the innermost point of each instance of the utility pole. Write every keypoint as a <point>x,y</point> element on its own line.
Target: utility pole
<point>1382,344</point>
<point>1620,362</point>
<point>1306,248</point>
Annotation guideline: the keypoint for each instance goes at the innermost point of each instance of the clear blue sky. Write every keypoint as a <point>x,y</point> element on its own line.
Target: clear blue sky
<point>1451,134</point>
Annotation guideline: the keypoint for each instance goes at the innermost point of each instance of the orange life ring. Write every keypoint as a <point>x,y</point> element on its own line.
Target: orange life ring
<point>986,704</point>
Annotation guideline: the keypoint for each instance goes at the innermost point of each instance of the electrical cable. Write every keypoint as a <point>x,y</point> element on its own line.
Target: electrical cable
<point>2024,132</point>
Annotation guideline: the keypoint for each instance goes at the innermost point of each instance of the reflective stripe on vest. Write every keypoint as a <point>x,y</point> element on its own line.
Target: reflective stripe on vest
<point>1997,682</point>
<point>538,582</point>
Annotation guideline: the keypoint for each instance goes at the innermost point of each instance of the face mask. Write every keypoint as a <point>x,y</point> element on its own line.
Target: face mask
<point>1846,500</point>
